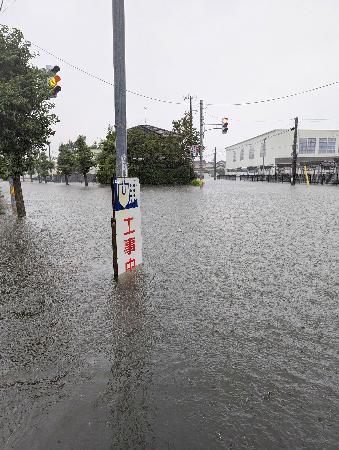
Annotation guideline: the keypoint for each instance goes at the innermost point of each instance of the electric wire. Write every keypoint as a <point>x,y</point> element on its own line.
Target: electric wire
<point>273,99</point>
<point>174,102</point>
<point>139,94</point>
<point>110,83</point>
<point>5,9</point>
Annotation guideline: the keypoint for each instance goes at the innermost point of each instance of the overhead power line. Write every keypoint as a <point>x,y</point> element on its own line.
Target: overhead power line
<point>174,102</point>
<point>5,9</point>
<point>274,99</point>
<point>138,94</point>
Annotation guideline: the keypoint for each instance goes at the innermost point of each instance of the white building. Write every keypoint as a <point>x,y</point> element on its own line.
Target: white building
<point>273,149</point>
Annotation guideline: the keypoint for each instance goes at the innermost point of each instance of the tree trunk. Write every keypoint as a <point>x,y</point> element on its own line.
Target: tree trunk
<point>66,180</point>
<point>19,200</point>
<point>31,175</point>
<point>45,179</point>
<point>39,178</point>
<point>86,181</point>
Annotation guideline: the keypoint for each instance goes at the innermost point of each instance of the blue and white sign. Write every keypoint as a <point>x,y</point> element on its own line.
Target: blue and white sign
<point>127,224</point>
<point>125,193</point>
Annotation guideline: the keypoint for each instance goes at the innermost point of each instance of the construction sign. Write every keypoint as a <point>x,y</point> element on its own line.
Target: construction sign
<point>12,192</point>
<point>126,225</point>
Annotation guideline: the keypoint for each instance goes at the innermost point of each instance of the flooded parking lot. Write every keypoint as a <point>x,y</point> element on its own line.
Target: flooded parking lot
<point>225,338</point>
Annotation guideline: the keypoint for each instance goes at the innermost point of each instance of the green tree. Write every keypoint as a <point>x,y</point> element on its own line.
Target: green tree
<point>66,160</point>
<point>44,166</point>
<point>31,164</point>
<point>25,118</point>
<point>4,168</point>
<point>188,134</point>
<point>154,158</point>
<point>84,158</point>
<point>158,159</point>
<point>106,158</point>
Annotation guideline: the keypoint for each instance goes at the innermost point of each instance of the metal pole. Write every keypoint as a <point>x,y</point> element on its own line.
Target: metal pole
<point>50,159</point>
<point>118,12</point>
<point>201,136</point>
<point>215,163</point>
<point>191,138</point>
<point>294,152</point>
<point>191,120</point>
<point>263,157</point>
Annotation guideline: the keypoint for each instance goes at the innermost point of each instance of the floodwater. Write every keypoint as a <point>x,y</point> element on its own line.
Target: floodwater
<point>226,337</point>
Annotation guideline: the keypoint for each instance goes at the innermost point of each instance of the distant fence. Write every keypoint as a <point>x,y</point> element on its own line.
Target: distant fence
<point>73,178</point>
<point>227,177</point>
<point>319,178</point>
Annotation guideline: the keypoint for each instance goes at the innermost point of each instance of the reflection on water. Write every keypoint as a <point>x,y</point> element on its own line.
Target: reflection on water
<point>226,337</point>
<point>129,388</point>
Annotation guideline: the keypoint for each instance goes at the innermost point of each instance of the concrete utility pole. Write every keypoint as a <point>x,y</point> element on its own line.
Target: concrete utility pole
<point>201,136</point>
<point>191,120</point>
<point>294,152</point>
<point>118,12</point>
<point>191,137</point>
<point>215,163</point>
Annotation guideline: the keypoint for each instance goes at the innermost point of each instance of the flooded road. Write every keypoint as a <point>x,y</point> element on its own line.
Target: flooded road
<point>225,338</point>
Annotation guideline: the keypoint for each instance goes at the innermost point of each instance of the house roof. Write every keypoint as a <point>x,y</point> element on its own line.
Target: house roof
<point>154,130</point>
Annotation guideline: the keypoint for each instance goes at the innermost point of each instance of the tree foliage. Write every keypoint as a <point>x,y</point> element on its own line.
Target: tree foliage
<point>25,118</point>
<point>66,159</point>
<point>153,158</point>
<point>106,158</point>
<point>31,163</point>
<point>84,159</point>
<point>44,165</point>
<point>25,113</point>
<point>4,168</point>
<point>157,159</point>
<point>188,135</point>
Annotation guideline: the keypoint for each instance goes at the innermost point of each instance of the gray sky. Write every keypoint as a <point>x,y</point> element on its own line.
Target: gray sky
<point>221,51</point>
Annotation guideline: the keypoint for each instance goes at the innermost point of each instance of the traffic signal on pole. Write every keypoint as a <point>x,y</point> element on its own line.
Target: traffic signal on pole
<point>224,125</point>
<point>53,79</point>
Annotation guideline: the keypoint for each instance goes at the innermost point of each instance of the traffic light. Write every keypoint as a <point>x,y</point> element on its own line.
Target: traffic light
<point>53,80</point>
<point>224,125</point>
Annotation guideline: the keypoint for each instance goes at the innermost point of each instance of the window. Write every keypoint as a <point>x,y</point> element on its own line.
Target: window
<point>251,152</point>
<point>327,145</point>
<point>241,154</point>
<point>234,156</point>
<point>331,143</point>
<point>307,146</point>
<point>322,145</point>
<point>263,149</point>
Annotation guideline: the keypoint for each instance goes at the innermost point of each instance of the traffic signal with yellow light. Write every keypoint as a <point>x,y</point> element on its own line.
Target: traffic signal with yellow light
<point>224,127</point>
<point>53,80</point>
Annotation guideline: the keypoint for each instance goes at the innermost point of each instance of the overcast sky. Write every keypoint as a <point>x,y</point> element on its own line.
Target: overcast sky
<point>220,51</point>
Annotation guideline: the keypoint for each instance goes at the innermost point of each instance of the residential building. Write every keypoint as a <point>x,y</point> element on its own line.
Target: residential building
<point>274,149</point>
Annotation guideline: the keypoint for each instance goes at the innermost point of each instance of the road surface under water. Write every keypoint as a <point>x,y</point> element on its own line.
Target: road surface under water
<point>225,338</point>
